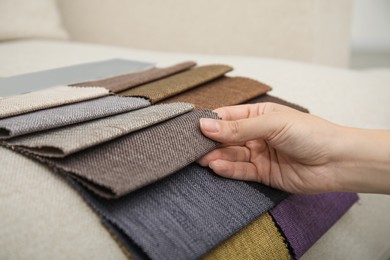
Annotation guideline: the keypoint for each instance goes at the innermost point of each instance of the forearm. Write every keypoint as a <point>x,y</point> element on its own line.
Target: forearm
<point>364,161</point>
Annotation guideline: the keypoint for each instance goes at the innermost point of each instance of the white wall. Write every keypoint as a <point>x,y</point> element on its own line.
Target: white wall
<point>371,25</point>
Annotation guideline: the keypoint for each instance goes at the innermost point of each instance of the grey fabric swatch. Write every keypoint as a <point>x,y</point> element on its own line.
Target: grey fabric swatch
<point>67,75</point>
<point>67,115</point>
<point>130,162</point>
<point>47,98</point>
<point>64,141</point>
<point>185,215</point>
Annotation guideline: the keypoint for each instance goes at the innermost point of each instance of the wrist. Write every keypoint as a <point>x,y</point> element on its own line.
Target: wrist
<point>363,161</point>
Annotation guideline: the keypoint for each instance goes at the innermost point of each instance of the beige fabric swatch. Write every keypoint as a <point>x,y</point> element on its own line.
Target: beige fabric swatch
<point>68,140</point>
<point>162,89</point>
<point>46,98</point>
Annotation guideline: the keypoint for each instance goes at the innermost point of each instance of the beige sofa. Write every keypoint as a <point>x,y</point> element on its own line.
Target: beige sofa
<point>306,30</point>
<point>42,218</point>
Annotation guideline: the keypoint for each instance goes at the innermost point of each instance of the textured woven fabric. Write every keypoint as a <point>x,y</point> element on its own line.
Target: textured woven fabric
<point>187,214</point>
<point>135,160</point>
<point>259,240</point>
<point>51,97</point>
<point>68,114</point>
<point>67,140</point>
<point>130,80</point>
<point>162,89</point>
<point>221,92</point>
<point>303,219</point>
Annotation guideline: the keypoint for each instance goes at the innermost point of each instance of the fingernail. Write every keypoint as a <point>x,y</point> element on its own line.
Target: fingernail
<point>209,125</point>
<point>214,164</point>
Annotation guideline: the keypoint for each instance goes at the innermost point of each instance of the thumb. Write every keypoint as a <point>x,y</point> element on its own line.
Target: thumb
<point>265,127</point>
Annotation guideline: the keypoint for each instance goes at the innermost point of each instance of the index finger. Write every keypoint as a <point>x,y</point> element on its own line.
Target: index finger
<point>232,113</point>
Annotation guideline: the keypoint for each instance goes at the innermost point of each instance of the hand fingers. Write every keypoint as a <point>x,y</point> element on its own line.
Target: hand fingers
<point>231,153</point>
<point>265,127</point>
<point>235,170</point>
<point>231,113</point>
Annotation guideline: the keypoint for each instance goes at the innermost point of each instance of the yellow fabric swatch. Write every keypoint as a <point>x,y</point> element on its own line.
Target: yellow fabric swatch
<point>259,240</point>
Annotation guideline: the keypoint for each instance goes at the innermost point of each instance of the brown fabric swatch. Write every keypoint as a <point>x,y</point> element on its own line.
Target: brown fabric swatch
<point>120,83</point>
<point>125,164</point>
<point>225,91</point>
<point>162,89</point>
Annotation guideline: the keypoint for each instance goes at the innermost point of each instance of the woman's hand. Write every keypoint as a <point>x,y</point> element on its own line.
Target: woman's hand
<point>284,148</point>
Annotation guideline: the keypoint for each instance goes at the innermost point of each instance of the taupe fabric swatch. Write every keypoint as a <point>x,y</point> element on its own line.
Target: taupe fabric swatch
<point>120,83</point>
<point>162,89</point>
<point>225,91</point>
<point>64,141</point>
<point>130,162</point>
<point>46,98</point>
<point>68,114</point>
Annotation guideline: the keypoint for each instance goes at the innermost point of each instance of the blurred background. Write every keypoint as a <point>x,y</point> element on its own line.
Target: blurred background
<point>343,33</point>
<point>370,37</point>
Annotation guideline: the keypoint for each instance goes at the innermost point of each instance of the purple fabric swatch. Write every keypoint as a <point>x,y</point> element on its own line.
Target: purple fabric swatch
<point>303,219</point>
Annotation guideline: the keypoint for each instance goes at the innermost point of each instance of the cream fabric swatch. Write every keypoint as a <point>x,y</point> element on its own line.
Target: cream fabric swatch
<point>46,98</point>
<point>42,217</point>
<point>67,140</point>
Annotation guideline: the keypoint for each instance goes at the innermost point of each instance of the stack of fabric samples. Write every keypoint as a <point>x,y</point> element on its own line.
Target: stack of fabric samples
<point>128,144</point>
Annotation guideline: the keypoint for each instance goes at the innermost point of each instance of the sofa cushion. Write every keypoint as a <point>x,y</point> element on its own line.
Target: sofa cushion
<point>30,19</point>
<point>42,217</point>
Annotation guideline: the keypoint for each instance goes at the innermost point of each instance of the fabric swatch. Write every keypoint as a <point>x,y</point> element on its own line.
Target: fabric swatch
<point>259,240</point>
<point>64,141</point>
<point>303,219</point>
<point>186,214</point>
<point>51,97</point>
<point>162,89</point>
<point>125,164</point>
<point>122,82</point>
<point>225,91</point>
<point>68,115</point>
